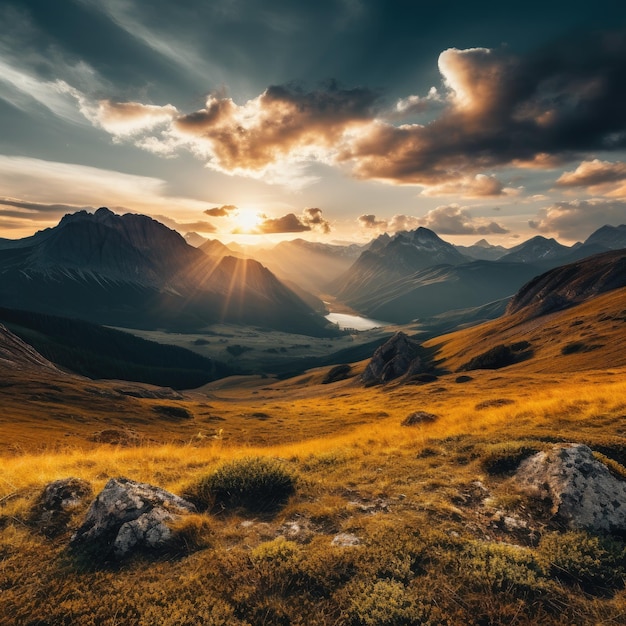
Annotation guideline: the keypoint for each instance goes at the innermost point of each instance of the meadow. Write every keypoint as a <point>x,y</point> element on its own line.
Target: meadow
<point>387,524</point>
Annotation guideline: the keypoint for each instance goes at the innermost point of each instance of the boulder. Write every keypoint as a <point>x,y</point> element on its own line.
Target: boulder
<point>53,510</point>
<point>126,517</point>
<point>399,356</point>
<point>581,491</point>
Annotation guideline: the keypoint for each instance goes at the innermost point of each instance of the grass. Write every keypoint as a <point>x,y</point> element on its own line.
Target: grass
<point>443,537</point>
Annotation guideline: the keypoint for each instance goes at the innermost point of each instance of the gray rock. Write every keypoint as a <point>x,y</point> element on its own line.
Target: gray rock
<point>581,490</point>
<point>399,356</point>
<point>128,516</point>
<point>53,510</point>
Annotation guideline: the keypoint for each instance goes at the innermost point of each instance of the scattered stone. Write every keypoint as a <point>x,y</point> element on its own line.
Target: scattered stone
<point>499,356</point>
<point>399,356</point>
<point>339,372</point>
<point>424,378</point>
<point>126,517</point>
<point>419,417</point>
<point>346,540</point>
<point>463,379</point>
<point>53,511</point>
<point>580,489</point>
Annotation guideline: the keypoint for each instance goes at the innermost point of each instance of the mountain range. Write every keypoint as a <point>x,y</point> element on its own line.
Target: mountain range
<point>130,270</point>
<point>416,275</point>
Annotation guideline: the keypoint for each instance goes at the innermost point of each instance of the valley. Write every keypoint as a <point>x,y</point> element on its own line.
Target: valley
<point>403,448</point>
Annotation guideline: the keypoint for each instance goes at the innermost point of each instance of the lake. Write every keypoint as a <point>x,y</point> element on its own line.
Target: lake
<point>354,321</point>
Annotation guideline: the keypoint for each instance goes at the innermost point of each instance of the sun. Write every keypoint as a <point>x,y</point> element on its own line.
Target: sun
<point>247,220</point>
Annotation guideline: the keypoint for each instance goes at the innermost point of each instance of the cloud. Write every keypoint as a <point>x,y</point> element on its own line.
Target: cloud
<point>311,219</point>
<point>478,186</point>
<point>600,177</point>
<point>444,220</point>
<point>221,211</point>
<point>493,109</point>
<point>130,118</point>
<point>284,123</point>
<point>184,227</point>
<point>455,220</point>
<point>577,219</point>
<point>78,187</point>
<point>370,222</point>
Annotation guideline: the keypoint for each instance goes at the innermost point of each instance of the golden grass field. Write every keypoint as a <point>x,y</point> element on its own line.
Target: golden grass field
<point>435,544</point>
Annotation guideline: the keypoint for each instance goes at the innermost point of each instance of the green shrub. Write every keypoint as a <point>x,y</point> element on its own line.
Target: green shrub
<point>256,484</point>
<point>390,603</point>
<point>597,564</point>
<point>501,567</point>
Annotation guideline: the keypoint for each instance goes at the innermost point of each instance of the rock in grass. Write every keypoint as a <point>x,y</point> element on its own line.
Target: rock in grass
<point>53,510</point>
<point>399,356</point>
<point>127,517</point>
<point>419,417</point>
<point>581,490</point>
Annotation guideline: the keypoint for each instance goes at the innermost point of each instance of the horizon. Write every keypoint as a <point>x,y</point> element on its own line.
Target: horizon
<point>260,242</point>
<point>258,125</point>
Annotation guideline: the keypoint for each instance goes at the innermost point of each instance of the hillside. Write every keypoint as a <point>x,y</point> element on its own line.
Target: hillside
<point>98,352</point>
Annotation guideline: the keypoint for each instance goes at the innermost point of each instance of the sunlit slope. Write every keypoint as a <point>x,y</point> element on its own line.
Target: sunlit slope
<point>591,335</point>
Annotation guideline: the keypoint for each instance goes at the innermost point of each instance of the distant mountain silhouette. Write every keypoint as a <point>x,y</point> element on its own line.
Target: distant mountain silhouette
<point>443,288</point>
<point>570,284</point>
<point>536,250</point>
<point>609,237</point>
<point>389,259</point>
<point>131,270</point>
<point>483,251</point>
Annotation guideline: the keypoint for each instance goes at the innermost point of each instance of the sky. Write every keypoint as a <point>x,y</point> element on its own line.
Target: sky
<point>335,121</point>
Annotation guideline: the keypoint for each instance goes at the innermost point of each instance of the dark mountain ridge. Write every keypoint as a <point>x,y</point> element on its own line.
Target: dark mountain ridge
<point>570,284</point>
<point>131,270</point>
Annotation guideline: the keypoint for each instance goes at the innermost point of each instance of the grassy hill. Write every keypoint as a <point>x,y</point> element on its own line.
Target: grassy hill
<point>441,535</point>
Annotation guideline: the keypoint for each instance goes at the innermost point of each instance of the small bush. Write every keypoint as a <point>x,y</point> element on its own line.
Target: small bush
<point>390,603</point>
<point>597,564</point>
<point>255,484</point>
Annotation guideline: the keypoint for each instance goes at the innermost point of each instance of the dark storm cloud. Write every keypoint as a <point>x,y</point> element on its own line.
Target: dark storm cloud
<point>503,109</point>
<point>311,219</point>
<point>500,110</point>
<point>221,211</point>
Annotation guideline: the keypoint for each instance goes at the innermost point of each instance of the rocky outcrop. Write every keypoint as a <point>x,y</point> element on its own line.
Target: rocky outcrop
<point>581,491</point>
<point>399,356</point>
<point>127,517</point>
<point>53,510</point>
